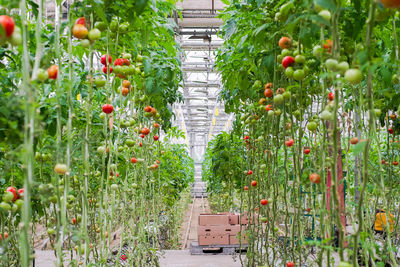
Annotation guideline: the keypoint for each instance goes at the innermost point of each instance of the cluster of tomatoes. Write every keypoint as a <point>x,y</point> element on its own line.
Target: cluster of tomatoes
<point>81,32</point>
<point>122,65</point>
<point>9,32</point>
<point>12,200</point>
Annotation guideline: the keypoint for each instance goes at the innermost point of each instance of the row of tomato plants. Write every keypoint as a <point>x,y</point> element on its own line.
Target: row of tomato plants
<point>314,147</point>
<point>87,92</point>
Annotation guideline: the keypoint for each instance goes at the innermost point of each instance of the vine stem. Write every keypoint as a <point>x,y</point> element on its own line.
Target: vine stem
<point>28,140</point>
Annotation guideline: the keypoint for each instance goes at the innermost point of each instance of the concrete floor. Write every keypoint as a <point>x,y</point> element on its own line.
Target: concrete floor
<point>182,258</point>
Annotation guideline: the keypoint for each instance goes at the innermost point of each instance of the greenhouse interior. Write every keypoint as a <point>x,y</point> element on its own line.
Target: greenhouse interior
<point>199,133</point>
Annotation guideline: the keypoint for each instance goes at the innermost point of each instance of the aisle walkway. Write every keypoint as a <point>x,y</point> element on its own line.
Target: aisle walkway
<point>182,258</point>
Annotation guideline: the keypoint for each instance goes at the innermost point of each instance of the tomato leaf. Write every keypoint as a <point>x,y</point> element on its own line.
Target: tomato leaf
<point>359,148</point>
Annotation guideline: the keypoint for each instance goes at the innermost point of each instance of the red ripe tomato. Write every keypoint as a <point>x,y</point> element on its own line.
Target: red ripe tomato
<point>53,72</point>
<point>256,208</point>
<point>253,183</point>
<point>331,96</point>
<point>395,163</point>
<point>383,161</point>
<point>73,220</point>
<point>354,140</point>
<point>140,144</point>
<point>21,192</point>
<point>126,83</point>
<point>142,135</point>
<point>103,59</point>
<point>308,210</point>
<point>391,3</point>
<point>285,42</point>
<point>133,160</point>
<point>81,20</point>
<point>148,109</point>
<point>264,202</point>
<point>289,142</point>
<point>125,91</point>
<point>118,62</point>
<point>268,92</point>
<point>287,61</point>
<point>126,62</point>
<point>145,131</point>
<point>117,174</point>
<point>250,172</point>
<point>107,108</point>
<point>246,188</point>
<point>12,190</point>
<point>155,138</point>
<point>390,130</point>
<point>307,151</point>
<point>290,264</point>
<point>268,85</point>
<point>123,257</point>
<point>8,25</point>
<point>5,235</point>
<point>105,69</point>
<point>157,161</point>
<point>269,107</point>
<point>315,178</point>
<point>328,45</point>
<point>156,125</point>
<point>246,137</point>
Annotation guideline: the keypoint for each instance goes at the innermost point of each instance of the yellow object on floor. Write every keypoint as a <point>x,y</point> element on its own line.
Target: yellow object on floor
<point>381,221</point>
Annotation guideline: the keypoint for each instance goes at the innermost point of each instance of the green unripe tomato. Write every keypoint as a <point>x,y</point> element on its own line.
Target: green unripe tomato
<point>114,187</point>
<point>85,43</point>
<point>102,115</point>
<point>326,115</point>
<point>299,75</point>
<point>325,14</point>
<point>94,34</point>
<point>8,196</point>
<point>118,69</point>
<point>353,76</point>
<point>99,82</point>
<point>343,67</point>
<point>286,95</point>
<point>286,52</point>
<point>312,126</point>
<point>378,112</point>
<point>139,58</point>
<point>5,206</point>
<point>42,75</point>
<point>16,38</point>
<point>331,64</point>
<point>129,143</point>
<point>317,51</point>
<point>124,27</point>
<point>114,26</point>
<point>101,150</point>
<point>289,72</point>
<point>19,203</point>
<point>270,114</point>
<point>100,25</point>
<point>278,99</point>
<point>126,55</point>
<point>300,59</point>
